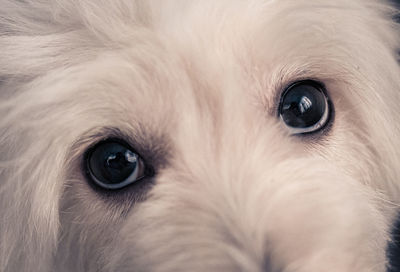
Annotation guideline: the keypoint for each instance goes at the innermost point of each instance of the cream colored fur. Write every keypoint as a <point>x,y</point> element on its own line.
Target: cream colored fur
<point>199,81</point>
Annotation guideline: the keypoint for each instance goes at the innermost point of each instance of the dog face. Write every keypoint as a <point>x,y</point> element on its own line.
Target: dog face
<point>198,135</point>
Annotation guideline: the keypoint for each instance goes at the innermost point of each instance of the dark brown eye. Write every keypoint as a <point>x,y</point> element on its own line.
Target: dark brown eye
<point>114,165</point>
<point>304,107</point>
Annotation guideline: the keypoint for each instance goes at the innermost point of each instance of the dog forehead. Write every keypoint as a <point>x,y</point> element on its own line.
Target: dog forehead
<point>279,38</point>
<point>192,56</point>
<point>199,57</point>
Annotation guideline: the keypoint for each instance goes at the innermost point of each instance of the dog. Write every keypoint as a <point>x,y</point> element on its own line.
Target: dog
<point>149,135</point>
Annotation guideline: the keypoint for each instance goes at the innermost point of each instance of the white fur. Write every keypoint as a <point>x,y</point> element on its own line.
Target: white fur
<point>199,79</point>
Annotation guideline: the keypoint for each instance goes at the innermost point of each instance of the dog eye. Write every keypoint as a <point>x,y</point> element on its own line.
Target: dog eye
<point>304,107</point>
<point>114,165</point>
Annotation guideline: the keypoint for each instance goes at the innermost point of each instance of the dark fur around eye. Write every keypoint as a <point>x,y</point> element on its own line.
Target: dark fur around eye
<point>151,150</point>
<point>393,252</point>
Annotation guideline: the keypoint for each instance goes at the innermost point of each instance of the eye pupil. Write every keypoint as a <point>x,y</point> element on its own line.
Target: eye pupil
<point>304,107</point>
<point>113,165</point>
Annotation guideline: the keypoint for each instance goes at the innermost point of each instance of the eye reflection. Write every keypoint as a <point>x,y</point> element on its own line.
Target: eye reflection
<point>130,156</point>
<point>305,104</point>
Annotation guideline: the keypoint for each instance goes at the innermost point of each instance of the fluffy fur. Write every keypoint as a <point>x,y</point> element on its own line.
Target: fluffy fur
<point>194,85</point>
